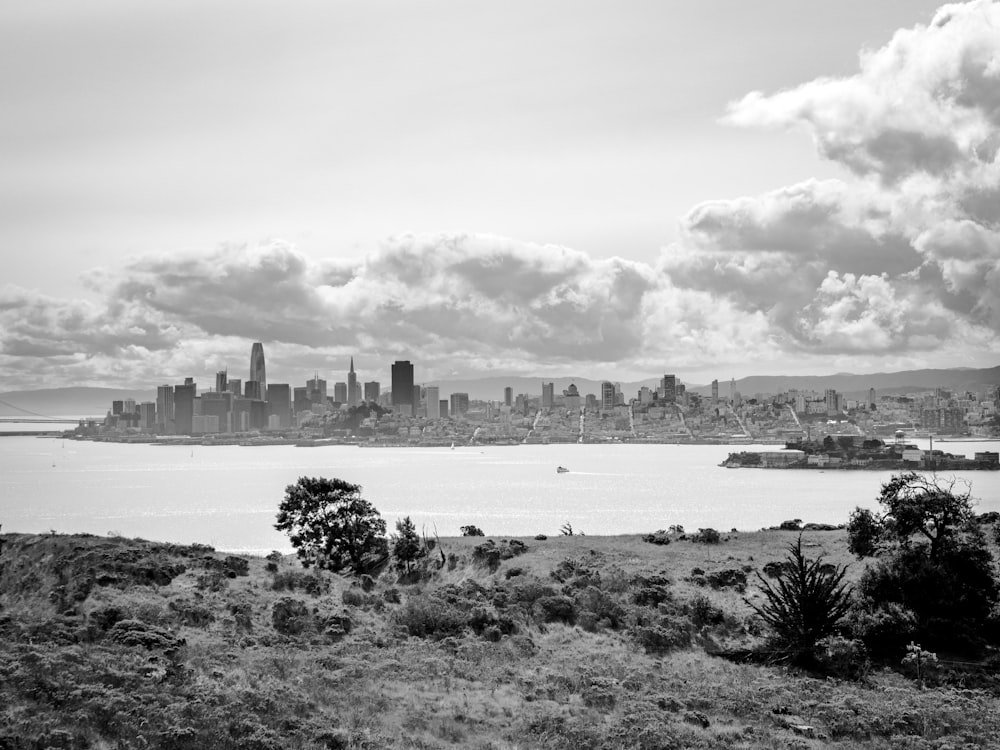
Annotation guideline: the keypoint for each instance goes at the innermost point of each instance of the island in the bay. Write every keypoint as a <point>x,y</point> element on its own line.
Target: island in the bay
<point>847,452</point>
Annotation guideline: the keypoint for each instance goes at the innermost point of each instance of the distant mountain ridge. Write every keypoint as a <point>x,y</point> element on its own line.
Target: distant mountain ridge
<point>887,382</point>
<point>97,401</point>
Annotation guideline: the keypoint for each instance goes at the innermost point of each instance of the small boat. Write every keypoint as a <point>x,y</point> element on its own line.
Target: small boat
<point>562,470</point>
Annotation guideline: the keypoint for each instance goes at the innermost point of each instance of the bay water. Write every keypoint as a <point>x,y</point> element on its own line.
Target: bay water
<point>227,496</point>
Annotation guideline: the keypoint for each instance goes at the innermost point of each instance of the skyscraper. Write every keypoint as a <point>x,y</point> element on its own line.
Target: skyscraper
<point>433,399</point>
<point>372,391</point>
<point>548,395</point>
<point>459,404</point>
<point>669,387</point>
<point>715,391</point>
<point>279,403</point>
<point>340,392</point>
<point>221,381</point>
<point>164,407</point>
<point>184,396</point>
<point>402,383</point>
<point>607,396</point>
<point>508,396</point>
<point>257,371</point>
<point>353,392</point>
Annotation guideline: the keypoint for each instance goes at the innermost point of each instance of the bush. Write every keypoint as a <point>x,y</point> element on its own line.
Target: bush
<point>430,617</point>
<point>471,530</point>
<point>661,536</point>
<point>843,658</point>
<point>805,603</point>
<point>707,536</point>
<point>669,635</point>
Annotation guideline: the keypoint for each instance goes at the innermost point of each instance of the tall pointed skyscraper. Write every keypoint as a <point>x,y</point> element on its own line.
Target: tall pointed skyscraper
<point>257,372</point>
<point>353,392</point>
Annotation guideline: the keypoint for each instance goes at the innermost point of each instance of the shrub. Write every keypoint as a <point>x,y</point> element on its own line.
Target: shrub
<point>430,617</point>
<point>707,536</point>
<point>669,635</point>
<point>290,616</point>
<point>805,603</point>
<point>293,580</point>
<point>471,530</point>
<point>844,658</point>
<point>660,536</point>
<point>556,608</point>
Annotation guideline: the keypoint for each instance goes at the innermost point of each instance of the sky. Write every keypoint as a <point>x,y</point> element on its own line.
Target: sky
<point>607,190</point>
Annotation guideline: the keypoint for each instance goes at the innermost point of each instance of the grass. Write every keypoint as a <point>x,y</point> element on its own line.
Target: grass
<point>543,652</point>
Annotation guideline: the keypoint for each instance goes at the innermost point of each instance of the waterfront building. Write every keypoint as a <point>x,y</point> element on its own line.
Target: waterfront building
<point>459,404</point>
<point>279,404</point>
<point>147,415</point>
<point>202,424</point>
<point>443,408</point>
<point>402,383</point>
<point>217,404</point>
<point>433,399</point>
<point>239,414</point>
<point>353,391</point>
<point>165,407</point>
<point>184,396</point>
<point>372,391</point>
<point>257,369</point>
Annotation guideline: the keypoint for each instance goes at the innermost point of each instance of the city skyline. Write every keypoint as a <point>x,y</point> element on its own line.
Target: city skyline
<point>728,198</point>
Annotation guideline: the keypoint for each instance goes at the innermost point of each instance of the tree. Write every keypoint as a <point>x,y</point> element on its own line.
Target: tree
<point>805,603</point>
<point>471,530</point>
<point>330,525</point>
<point>933,581</point>
<point>406,546</point>
<point>928,508</point>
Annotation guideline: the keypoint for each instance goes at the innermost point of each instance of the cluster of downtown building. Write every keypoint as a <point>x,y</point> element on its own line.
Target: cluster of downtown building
<point>411,412</point>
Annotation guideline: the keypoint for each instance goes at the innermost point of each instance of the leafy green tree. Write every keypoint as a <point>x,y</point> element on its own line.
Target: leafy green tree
<point>330,525</point>
<point>406,545</point>
<point>805,603</point>
<point>471,530</point>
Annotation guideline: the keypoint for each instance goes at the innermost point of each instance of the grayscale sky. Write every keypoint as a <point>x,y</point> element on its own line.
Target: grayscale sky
<point>612,190</point>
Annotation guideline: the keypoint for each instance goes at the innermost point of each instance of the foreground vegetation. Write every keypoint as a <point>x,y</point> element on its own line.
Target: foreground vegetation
<point>566,642</point>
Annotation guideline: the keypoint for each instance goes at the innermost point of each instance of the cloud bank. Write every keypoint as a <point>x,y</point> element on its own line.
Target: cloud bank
<point>897,264</point>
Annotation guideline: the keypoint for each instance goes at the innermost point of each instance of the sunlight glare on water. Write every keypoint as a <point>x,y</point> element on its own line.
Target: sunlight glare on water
<point>227,495</point>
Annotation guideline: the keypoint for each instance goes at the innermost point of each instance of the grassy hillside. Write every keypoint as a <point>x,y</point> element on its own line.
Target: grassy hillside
<point>569,642</point>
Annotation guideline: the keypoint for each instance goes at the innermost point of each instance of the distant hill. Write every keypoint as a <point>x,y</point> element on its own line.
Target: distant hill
<point>959,379</point>
<point>68,402</point>
<point>883,382</point>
